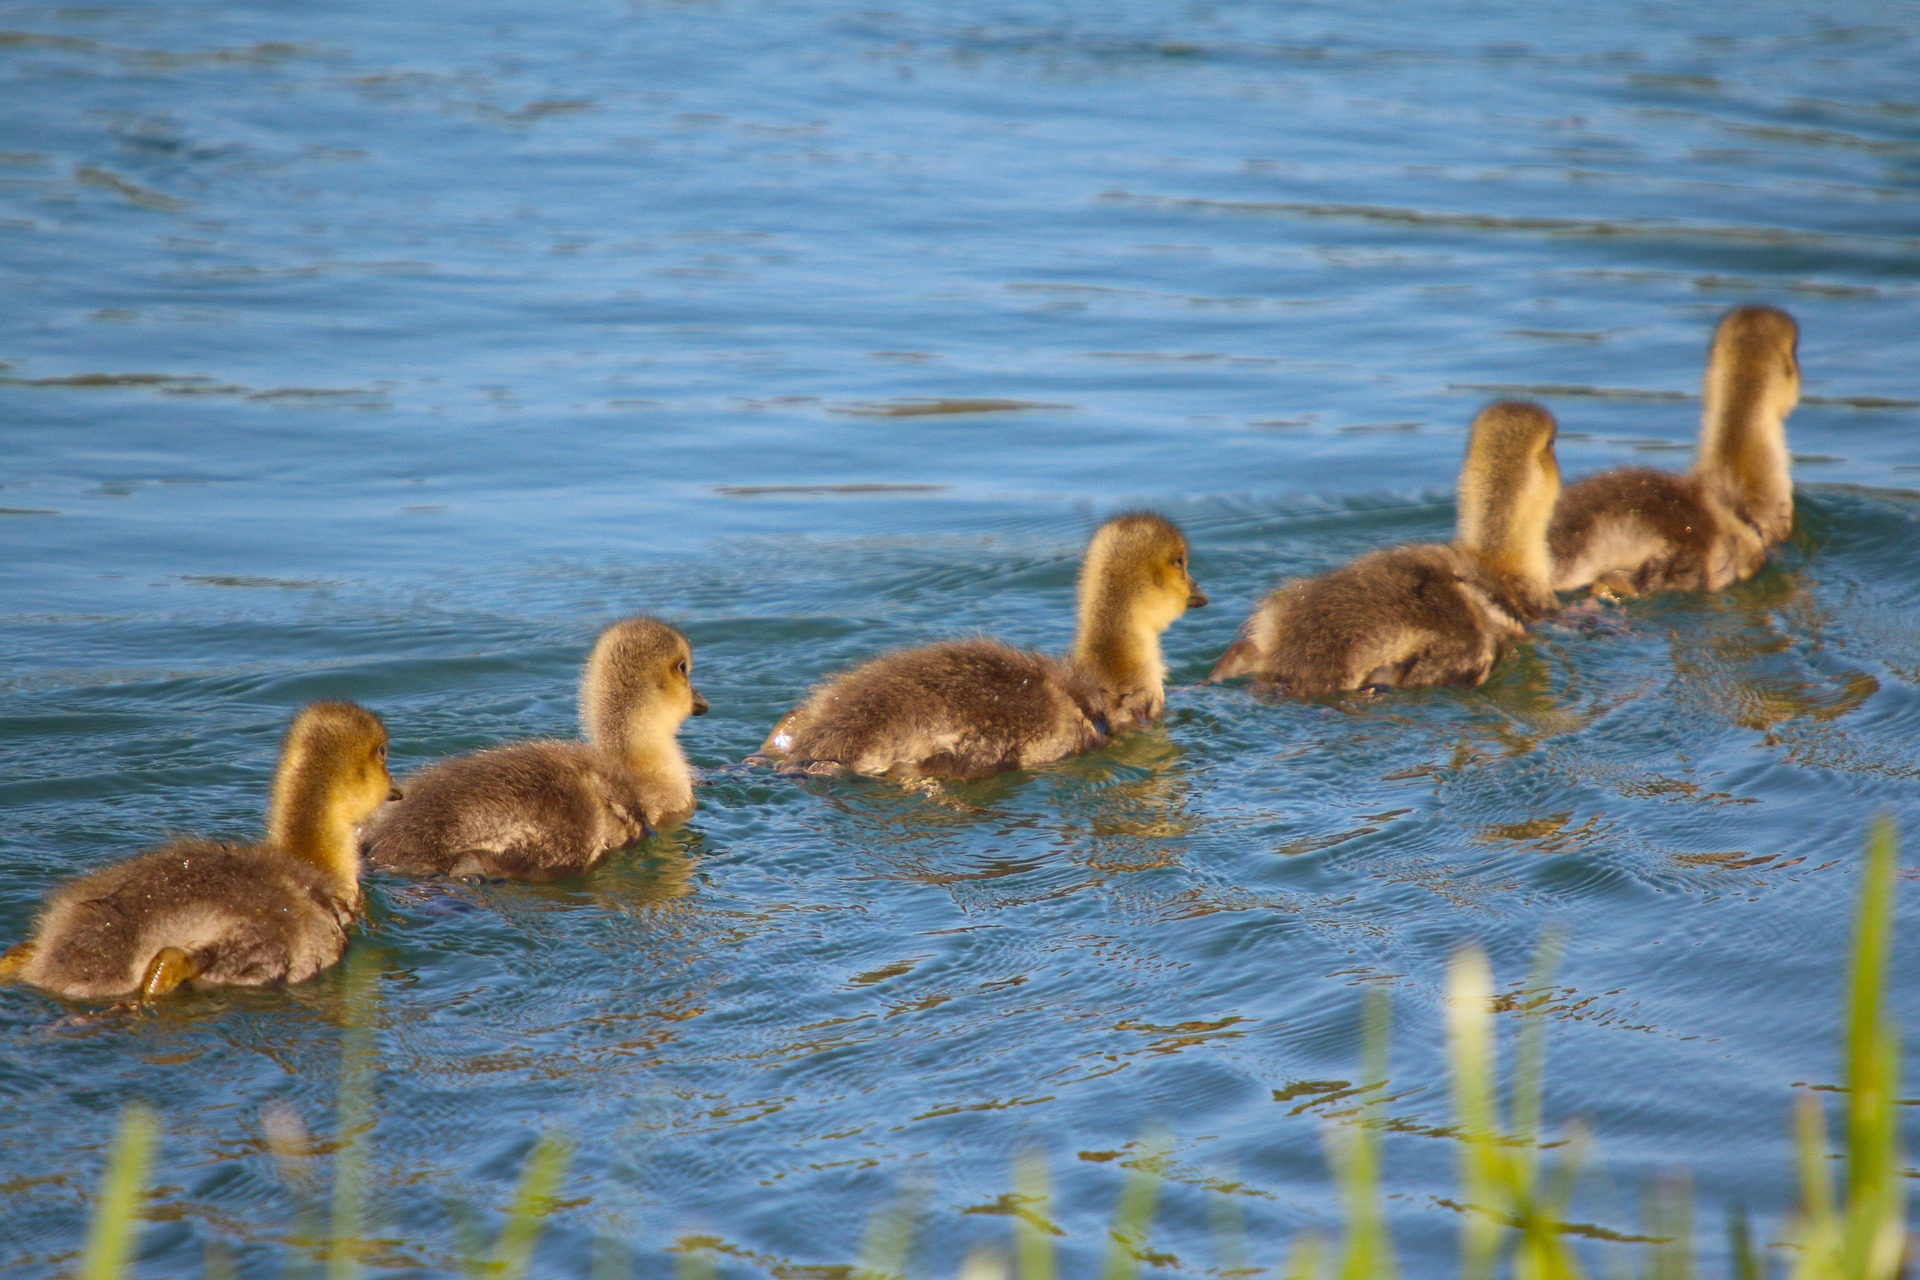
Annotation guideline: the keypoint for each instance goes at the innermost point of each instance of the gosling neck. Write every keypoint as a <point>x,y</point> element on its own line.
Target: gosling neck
<point>652,748</point>
<point>1118,649</point>
<point>1743,454</point>
<point>305,821</point>
<point>1509,537</point>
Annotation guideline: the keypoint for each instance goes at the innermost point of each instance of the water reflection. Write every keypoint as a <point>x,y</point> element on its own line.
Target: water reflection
<point>1761,660</point>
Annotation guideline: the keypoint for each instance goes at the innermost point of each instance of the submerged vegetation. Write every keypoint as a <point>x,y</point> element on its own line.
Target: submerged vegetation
<point>1512,1201</point>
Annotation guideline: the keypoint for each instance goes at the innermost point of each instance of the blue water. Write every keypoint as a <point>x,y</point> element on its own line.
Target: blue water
<point>387,352</point>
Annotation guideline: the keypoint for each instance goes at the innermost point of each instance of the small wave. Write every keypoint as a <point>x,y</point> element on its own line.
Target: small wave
<point>932,407</point>
<point>763,490</point>
<point>1612,228</point>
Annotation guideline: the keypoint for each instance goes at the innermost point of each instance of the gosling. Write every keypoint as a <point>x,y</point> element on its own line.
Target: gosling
<point>1634,531</point>
<point>968,708</point>
<point>1423,615</point>
<point>546,810</point>
<point>208,914</point>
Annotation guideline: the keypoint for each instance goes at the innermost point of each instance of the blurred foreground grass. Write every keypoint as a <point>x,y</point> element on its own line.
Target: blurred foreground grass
<point>1513,1203</point>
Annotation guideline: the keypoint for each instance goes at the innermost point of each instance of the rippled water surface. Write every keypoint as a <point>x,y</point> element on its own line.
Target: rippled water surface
<point>388,351</point>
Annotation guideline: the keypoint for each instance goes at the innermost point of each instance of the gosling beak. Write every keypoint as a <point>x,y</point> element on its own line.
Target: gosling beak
<point>699,703</point>
<point>393,791</point>
<point>1196,598</point>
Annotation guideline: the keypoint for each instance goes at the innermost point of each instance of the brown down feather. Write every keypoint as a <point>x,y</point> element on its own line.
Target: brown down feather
<point>1634,530</point>
<point>1427,614</point>
<point>239,915</point>
<point>249,916</point>
<point>967,708</point>
<point>547,810</point>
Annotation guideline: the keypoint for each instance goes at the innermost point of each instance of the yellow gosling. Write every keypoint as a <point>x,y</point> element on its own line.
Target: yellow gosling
<point>967,708</point>
<point>209,914</point>
<point>547,810</point>
<point>1423,615</point>
<point>1635,530</point>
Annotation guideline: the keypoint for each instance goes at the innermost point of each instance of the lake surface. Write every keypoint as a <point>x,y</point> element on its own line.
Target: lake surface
<point>387,352</point>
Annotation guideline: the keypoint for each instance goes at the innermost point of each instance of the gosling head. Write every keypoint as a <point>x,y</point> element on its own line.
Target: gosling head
<point>332,776</point>
<point>1753,367</point>
<point>638,686</point>
<point>1135,575</point>
<point>1508,485</point>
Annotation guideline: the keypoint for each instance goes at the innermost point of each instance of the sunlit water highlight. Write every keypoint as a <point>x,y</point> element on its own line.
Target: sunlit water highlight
<point>388,352</point>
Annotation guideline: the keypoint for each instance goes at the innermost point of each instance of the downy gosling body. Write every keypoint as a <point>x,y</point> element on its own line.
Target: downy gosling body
<point>1636,530</point>
<point>1423,615</point>
<point>547,810</point>
<point>968,708</point>
<point>211,914</point>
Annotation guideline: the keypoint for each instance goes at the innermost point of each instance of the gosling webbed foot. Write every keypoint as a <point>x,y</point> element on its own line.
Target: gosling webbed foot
<point>1614,587</point>
<point>168,969</point>
<point>1269,692</point>
<point>812,769</point>
<point>14,961</point>
<point>1592,616</point>
<point>435,897</point>
<point>794,767</point>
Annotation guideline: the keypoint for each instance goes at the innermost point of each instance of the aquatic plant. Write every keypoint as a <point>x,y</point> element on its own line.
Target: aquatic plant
<point>1512,1202</point>
<point>111,1234</point>
<point>1862,1231</point>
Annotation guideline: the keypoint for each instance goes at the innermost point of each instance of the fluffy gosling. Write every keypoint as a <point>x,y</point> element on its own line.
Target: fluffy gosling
<point>1423,615</point>
<point>968,708</point>
<point>548,810</point>
<point>1635,530</point>
<point>209,914</point>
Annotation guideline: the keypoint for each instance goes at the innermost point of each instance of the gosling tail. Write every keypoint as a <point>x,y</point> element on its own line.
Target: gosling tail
<point>14,961</point>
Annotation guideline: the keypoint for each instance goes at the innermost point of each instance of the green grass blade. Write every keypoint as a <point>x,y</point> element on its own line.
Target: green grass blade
<point>1872,943</point>
<point>983,1264</point>
<point>889,1239</point>
<point>532,1202</point>
<point>1032,1245</point>
<point>1134,1216</point>
<point>696,1263</point>
<point>1353,1149</point>
<point>1356,1170</point>
<point>1863,1235</point>
<point>610,1260</point>
<point>292,1149</point>
<point>1810,1144</point>
<point>1873,1234</point>
<point>115,1226</point>
<point>1355,1153</point>
<point>1303,1263</point>
<point>1868,1098</point>
<point>1740,1252</point>
<point>1229,1233</point>
<point>1545,1198</point>
<point>1470,1039</point>
<point>1816,1233</point>
<point>1376,1029</point>
<point>1669,1215</point>
<point>469,1231</point>
<point>1530,1057</point>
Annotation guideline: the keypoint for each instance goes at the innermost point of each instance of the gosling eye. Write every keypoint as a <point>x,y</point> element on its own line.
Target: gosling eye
<point>681,666</point>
